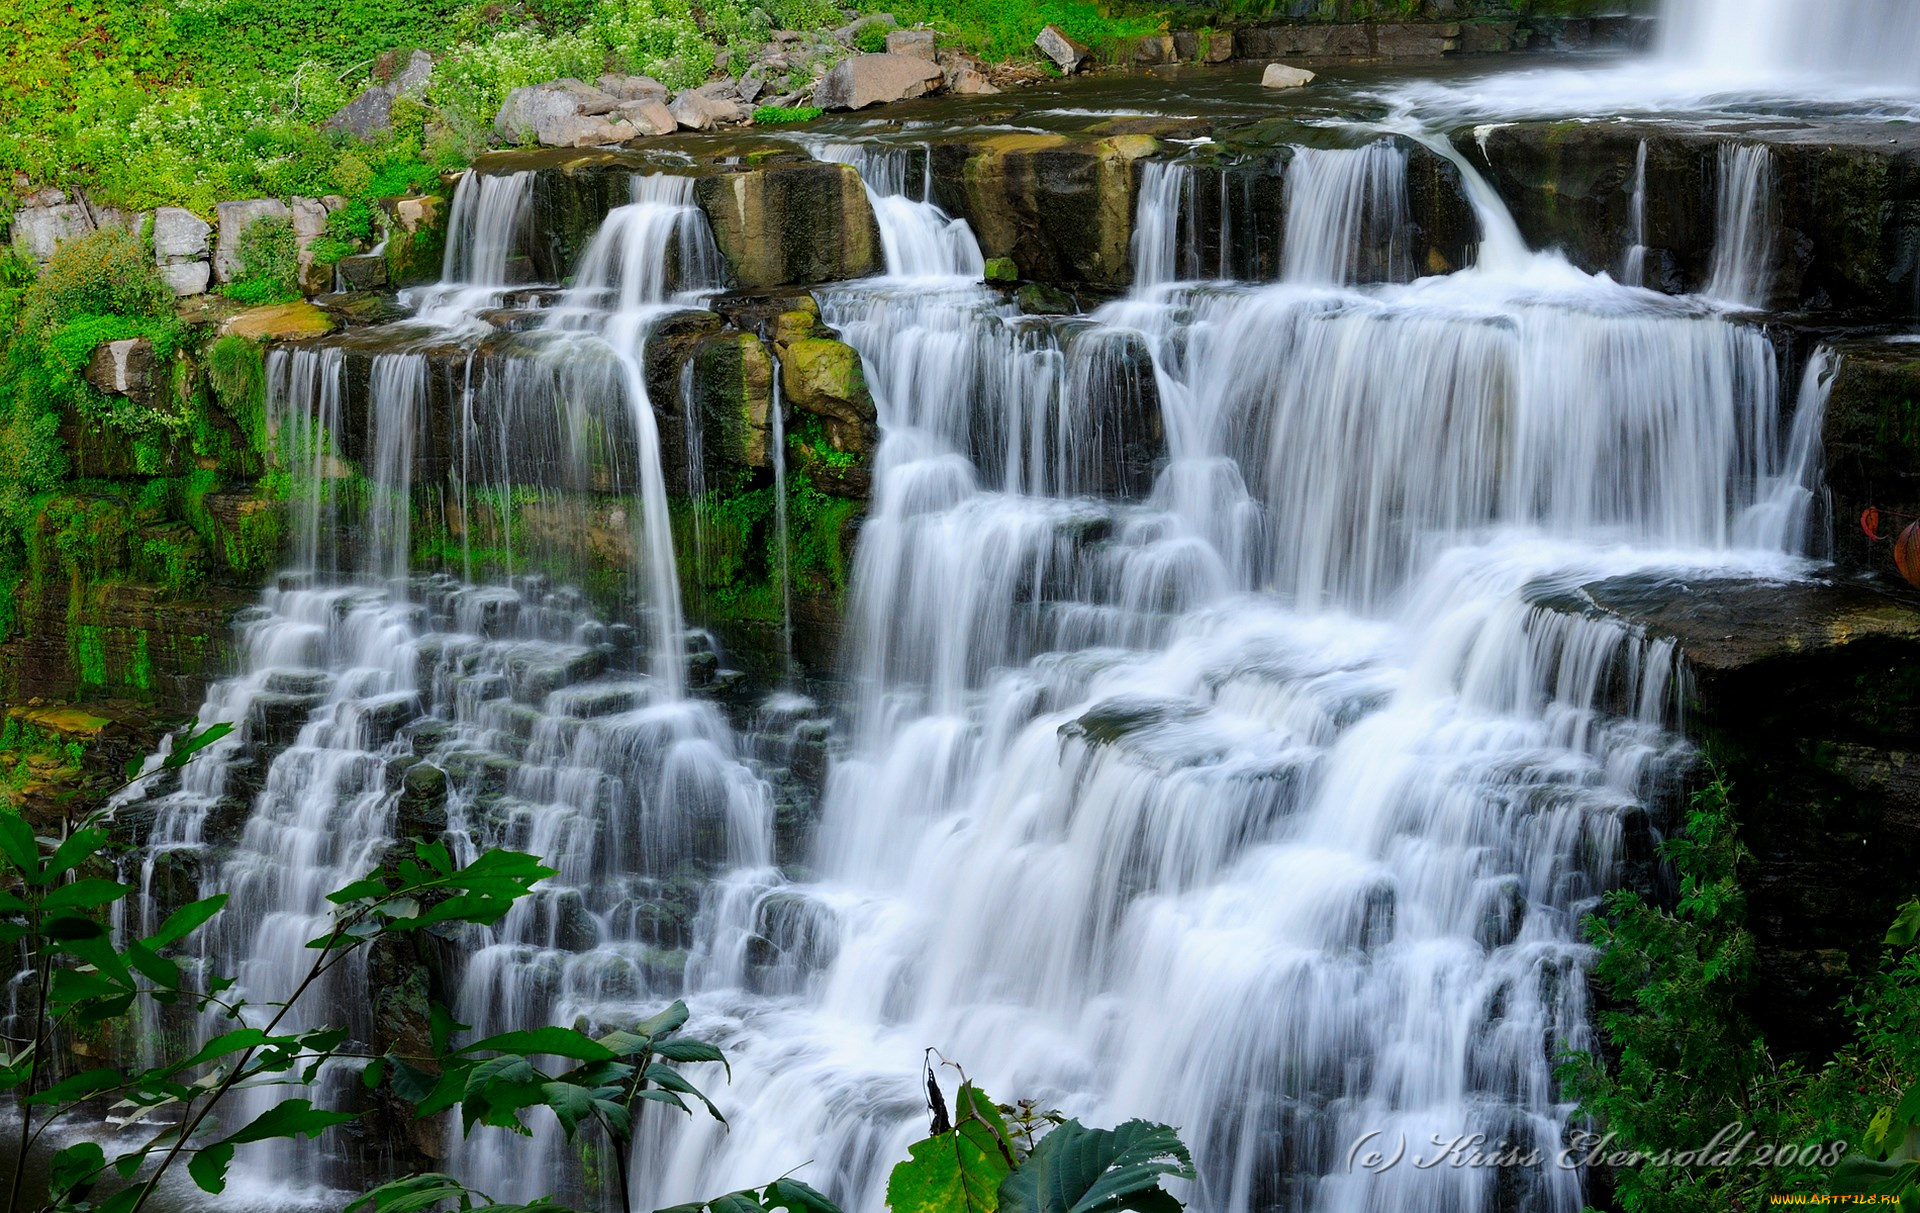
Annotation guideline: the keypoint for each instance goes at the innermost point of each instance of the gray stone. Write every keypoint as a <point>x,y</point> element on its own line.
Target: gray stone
<point>696,111</point>
<point>179,235</point>
<point>233,219</point>
<point>632,88</point>
<point>966,81</point>
<point>123,368</point>
<point>1066,54</point>
<point>309,218</point>
<point>650,117</point>
<point>720,90</point>
<point>1279,75</point>
<point>1155,49</point>
<point>187,277</point>
<point>583,130</point>
<point>876,79</point>
<point>38,230</point>
<point>532,114</point>
<point>414,77</point>
<point>363,271</point>
<point>751,85</point>
<point>917,43</point>
<point>369,114</point>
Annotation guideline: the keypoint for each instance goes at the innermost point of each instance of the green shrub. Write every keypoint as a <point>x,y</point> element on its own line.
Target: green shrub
<point>269,258</point>
<point>781,115</point>
<point>871,39</point>
<point>238,373</point>
<point>107,272</point>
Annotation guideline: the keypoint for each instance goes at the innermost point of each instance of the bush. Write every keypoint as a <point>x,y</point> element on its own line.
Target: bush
<point>780,115</point>
<point>871,40</point>
<point>105,273</point>
<point>269,259</point>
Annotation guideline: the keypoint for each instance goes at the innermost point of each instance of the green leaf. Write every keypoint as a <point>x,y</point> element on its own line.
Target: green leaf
<point>412,1194</point>
<point>290,1118</point>
<point>1075,1169</point>
<point>75,1167</point>
<point>692,1050</point>
<point>186,748</point>
<point>796,1197</point>
<point>80,1086</point>
<point>72,927</point>
<point>20,848</point>
<point>410,1082</point>
<point>208,1166</point>
<point>441,1025</point>
<point>959,1171</point>
<point>667,1079</point>
<point>185,921</point>
<point>367,888</point>
<point>85,895</point>
<point>80,846</point>
<point>559,1042</point>
<point>667,1021</point>
<point>1906,925</point>
<point>571,1104</point>
<point>374,1071</point>
<point>736,1202</point>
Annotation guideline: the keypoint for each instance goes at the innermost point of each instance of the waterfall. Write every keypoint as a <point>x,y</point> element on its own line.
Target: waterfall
<point>1633,267</point>
<point>487,235</point>
<point>1876,42</point>
<point>1742,268</point>
<point>918,238</point>
<point>1347,215</point>
<point>1218,743</point>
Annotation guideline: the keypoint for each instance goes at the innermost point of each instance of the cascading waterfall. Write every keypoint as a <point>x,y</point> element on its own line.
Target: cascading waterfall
<point>1742,268</point>
<point>486,231</point>
<point>1765,41</point>
<point>1633,267</point>
<point>1220,747</point>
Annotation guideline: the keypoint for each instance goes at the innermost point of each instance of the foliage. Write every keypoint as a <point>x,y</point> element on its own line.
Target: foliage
<point>976,1163</point>
<point>1886,1016</point>
<point>1687,1061</point>
<point>269,259</point>
<point>871,39</point>
<point>107,272</point>
<point>1004,29</point>
<point>781,115</point>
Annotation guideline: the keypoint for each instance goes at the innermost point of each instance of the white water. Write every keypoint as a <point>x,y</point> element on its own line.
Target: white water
<point>1742,269</point>
<point>1873,42</point>
<point>1256,785</point>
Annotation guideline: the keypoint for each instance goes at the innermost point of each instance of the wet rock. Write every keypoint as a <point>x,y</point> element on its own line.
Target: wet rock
<point>1039,299</point>
<point>1068,55</point>
<point>362,272</point>
<point>876,80</point>
<point>1503,908</point>
<point>733,395</point>
<point>275,720</point>
<point>791,224</point>
<point>380,720</point>
<point>1871,440</point>
<point>1280,75</point>
<point>123,368</point>
<point>825,377</point>
<point>233,219</point>
<point>421,811</point>
<point>1061,208</point>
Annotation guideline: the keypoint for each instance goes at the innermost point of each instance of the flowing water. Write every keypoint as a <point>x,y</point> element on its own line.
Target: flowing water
<point>1222,740</point>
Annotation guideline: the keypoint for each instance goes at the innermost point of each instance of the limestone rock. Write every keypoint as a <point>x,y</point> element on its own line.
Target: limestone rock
<point>280,322</point>
<point>234,218</point>
<point>38,230</point>
<point>875,79</point>
<point>1155,50</point>
<point>583,130</point>
<point>123,368</point>
<point>697,110</point>
<point>968,82</point>
<point>532,113</point>
<point>186,278</point>
<point>632,88</point>
<point>791,224</point>
<point>916,43</point>
<point>733,389</point>
<point>1279,75</point>
<point>1067,54</point>
<point>825,377</point>
<point>363,272</point>
<point>414,76</point>
<point>179,235</point>
<point>650,117</point>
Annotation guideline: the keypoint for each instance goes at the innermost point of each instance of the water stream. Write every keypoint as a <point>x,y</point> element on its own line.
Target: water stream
<point>1217,745</point>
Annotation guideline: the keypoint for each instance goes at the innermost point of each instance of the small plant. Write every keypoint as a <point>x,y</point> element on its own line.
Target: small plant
<point>782,115</point>
<point>269,259</point>
<point>104,273</point>
<point>871,39</point>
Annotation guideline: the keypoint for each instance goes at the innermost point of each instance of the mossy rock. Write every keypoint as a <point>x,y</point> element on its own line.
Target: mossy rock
<point>280,322</point>
<point>825,377</point>
<point>791,224</point>
<point>733,394</point>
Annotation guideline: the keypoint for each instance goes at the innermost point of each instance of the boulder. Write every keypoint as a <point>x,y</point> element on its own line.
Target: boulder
<point>914,43</point>
<point>791,224</point>
<point>632,88</point>
<point>414,76</point>
<point>584,130</point>
<point>368,115</point>
<point>38,230</point>
<point>1155,50</point>
<point>179,235</point>
<point>876,79</point>
<point>535,113</point>
<point>651,117</point>
<point>701,110</point>
<point>733,397</point>
<point>967,82</point>
<point>279,322</point>
<point>187,277</point>
<point>233,219</point>
<point>123,368</point>
<point>362,272</point>
<point>1068,55</point>
<point>1279,75</point>
<point>825,377</point>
